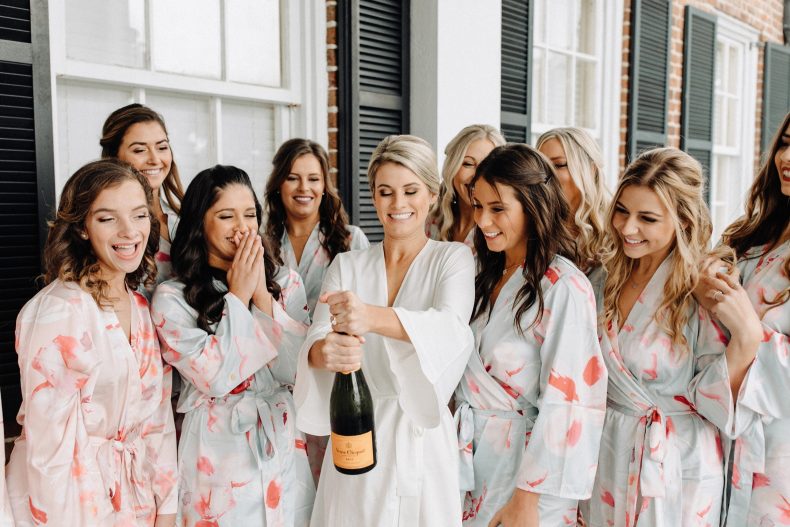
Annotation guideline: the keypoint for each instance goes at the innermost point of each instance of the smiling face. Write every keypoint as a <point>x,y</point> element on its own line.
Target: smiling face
<point>552,148</point>
<point>782,161</point>
<point>499,216</point>
<point>474,155</point>
<point>402,201</point>
<point>117,227</point>
<point>642,223</point>
<point>232,212</point>
<point>145,146</point>
<point>303,188</point>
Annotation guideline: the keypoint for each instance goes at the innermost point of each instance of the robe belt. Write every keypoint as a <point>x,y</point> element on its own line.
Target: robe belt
<point>465,425</point>
<point>119,458</point>
<point>655,464</point>
<point>260,409</point>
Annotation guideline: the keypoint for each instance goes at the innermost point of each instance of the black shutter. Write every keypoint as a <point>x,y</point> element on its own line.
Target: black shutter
<point>15,20</point>
<point>373,88</point>
<point>776,91</point>
<point>699,77</point>
<point>516,76</point>
<point>648,79</point>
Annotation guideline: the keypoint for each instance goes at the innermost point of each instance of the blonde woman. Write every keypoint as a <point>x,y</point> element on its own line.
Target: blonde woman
<point>453,217</point>
<point>409,299</point>
<point>578,162</point>
<point>661,461</point>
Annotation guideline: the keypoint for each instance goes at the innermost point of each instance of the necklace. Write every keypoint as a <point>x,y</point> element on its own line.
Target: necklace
<point>508,268</point>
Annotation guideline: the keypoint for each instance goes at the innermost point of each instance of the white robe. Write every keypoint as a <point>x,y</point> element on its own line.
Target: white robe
<point>415,481</point>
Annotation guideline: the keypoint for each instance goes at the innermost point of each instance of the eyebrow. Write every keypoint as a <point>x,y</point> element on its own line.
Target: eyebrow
<point>231,209</point>
<point>413,184</point>
<point>650,212</point>
<point>105,210</point>
<point>143,143</point>
<point>309,174</point>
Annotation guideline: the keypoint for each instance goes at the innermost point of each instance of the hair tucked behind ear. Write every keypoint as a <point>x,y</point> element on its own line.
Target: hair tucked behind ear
<point>532,177</point>
<point>189,251</point>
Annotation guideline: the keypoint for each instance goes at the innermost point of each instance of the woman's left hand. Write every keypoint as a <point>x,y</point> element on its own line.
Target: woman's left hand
<point>731,305</point>
<point>520,511</point>
<point>348,313</point>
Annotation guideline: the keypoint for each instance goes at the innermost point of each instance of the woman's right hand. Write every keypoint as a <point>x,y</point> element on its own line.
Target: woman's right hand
<point>247,266</point>
<point>337,352</point>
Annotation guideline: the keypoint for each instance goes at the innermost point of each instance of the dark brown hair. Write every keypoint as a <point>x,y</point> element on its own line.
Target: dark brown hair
<point>113,132</point>
<point>333,220</point>
<point>70,257</point>
<point>535,183</point>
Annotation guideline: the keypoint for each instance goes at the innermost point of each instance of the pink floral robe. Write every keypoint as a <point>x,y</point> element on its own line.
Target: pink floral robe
<point>531,408</point>
<point>6,518</point>
<point>98,445</point>
<point>241,461</point>
<point>661,461</point>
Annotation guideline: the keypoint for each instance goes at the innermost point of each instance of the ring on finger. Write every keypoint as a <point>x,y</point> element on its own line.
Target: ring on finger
<point>717,296</point>
<point>332,320</point>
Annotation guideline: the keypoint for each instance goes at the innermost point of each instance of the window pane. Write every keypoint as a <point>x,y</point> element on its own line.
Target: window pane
<point>253,41</point>
<point>106,31</point>
<point>734,70</point>
<point>82,109</point>
<point>586,27</point>
<point>586,94</point>
<point>558,26</point>
<point>559,90</point>
<point>188,122</point>
<point>720,120</point>
<point>539,22</point>
<point>538,76</point>
<point>732,125</point>
<point>186,37</point>
<point>248,140</point>
<point>721,65</point>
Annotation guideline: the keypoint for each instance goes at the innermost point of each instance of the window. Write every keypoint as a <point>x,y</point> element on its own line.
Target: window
<point>227,76</point>
<point>733,133</point>
<point>576,50</point>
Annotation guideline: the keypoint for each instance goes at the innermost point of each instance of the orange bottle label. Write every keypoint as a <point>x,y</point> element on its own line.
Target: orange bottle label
<point>352,452</point>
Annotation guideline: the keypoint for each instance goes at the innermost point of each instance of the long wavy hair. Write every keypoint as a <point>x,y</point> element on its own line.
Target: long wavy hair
<point>333,220</point>
<point>189,251</point>
<point>70,257</point>
<point>585,166</point>
<point>531,175</point>
<point>676,178</point>
<point>113,132</point>
<point>447,210</point>
<point>767,211</point>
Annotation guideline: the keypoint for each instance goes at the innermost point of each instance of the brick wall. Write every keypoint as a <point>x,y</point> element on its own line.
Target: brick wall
<point>331,60</point>
<point>763,15</point>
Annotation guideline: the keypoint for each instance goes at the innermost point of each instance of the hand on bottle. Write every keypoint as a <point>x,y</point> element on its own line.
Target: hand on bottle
<point>520,511</point>
<point>247,266</point>
<point>337,352</point>
<point>349,314</point>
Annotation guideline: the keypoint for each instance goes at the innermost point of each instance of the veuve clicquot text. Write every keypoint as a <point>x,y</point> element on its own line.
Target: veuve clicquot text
<point>351,419</point>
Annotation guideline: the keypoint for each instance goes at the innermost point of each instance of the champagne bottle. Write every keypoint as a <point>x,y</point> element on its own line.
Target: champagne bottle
<point>351,420</point>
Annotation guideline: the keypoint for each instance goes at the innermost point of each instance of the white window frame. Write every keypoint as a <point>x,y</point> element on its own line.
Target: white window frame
<point>739,33</point>
<point>608,87</point>
<point>300,104</point>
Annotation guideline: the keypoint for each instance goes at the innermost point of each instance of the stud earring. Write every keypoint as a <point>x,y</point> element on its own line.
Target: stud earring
<point>84,235</point>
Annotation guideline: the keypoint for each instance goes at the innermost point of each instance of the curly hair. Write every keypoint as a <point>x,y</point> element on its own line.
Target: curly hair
<point>531,175</point>
<point>676,178</point>
<point>189,251</point>
<point>767,211</point>
<point>447,210</point>
<point>113,132</point>
<point>585,166</point>
<point>333,220</point>
<point>68,256</point>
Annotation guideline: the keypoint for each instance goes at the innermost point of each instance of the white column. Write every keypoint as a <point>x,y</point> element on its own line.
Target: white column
<point>455,67</point>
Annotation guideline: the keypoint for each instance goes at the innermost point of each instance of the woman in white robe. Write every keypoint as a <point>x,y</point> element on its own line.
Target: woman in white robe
<point>406,302</point>
<point>232,325</point>
<point>532,400</point>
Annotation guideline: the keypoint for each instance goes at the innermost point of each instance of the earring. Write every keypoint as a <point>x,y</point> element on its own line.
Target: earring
<point>84,235</point>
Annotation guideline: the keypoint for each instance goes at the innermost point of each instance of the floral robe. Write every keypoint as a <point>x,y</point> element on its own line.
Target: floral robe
<point>164,266</point>
<point>759,489</point>
<point>98,446</point>
<point>415,480</point>
<point>531,408</point>
<point>241,461</point>
<point>6,518</point>
<point>661,461</point>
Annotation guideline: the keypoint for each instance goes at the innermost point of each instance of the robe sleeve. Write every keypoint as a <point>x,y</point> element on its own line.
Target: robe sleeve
<point>6,520</point>
<point>57,364</point>
<point>561,455</point>
<point>243,342</point>
<point>429,366</point>
<point>290,321</point>
<point>358,239</point>
<point>764,390</point>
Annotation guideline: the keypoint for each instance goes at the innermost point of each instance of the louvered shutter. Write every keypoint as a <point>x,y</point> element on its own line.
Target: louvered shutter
<point>776,90</point>
<point>373,95</point>
<point>648,79</point>
<point>699,77</point>
<point>15,20</point>
<point>516,76</point>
